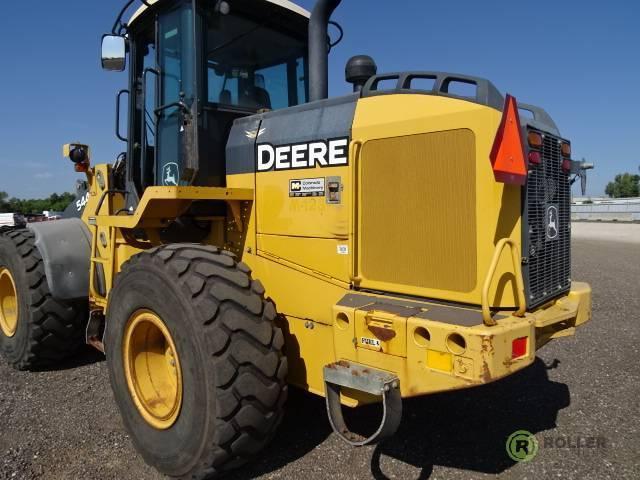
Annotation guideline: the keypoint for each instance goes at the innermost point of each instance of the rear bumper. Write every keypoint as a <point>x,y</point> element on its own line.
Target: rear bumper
<point>442,355</point>
<point>489,354</point>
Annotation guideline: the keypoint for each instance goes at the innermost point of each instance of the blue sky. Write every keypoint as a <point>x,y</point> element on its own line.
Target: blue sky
<point>578,59</point>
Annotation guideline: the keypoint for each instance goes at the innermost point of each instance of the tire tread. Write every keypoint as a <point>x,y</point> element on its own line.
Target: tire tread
<point>56,328</point>
<point>243,341</point>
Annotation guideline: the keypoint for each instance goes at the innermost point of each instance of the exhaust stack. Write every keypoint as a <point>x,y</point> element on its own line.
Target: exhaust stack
<point>318,49</point>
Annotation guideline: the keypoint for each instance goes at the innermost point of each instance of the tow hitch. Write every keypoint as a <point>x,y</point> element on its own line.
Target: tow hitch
<point>365,379</point>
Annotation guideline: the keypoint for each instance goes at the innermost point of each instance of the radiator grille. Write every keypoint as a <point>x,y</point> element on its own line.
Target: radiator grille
<point>418,219</point>
<point>547,229</point>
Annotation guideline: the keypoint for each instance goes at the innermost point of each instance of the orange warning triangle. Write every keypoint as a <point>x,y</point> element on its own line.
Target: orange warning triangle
<point>507,155</point>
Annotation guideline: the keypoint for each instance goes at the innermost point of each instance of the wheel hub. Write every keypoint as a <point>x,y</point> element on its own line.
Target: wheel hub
<point>152,369</point>
<point>8,303</point>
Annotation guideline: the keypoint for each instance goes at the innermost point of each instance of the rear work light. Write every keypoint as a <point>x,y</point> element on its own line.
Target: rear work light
<point>507,155</point>
<point>519,347</point>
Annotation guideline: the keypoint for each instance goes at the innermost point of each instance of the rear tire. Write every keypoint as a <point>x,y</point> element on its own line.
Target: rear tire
<point>47,330</point>
<point>227,348</point>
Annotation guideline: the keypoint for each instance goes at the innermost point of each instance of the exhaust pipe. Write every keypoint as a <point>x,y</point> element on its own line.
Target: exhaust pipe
<point>318,49</point>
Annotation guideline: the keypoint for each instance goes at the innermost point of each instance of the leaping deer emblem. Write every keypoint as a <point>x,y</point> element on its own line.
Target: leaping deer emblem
<point>552,226</point>
<point>171,174</point>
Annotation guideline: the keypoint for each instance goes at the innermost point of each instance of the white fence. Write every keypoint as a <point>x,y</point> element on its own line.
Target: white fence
<point>621,210</point>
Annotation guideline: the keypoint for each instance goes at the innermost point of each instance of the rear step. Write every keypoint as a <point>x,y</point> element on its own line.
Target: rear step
<point>365,379</point>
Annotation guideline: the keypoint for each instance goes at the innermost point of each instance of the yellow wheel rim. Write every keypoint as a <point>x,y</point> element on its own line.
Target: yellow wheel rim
<point>152,369</point>
<point>8,303</point>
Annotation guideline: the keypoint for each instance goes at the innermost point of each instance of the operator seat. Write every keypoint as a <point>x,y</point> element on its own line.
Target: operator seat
<point>256,97</point>
<point>225,97</point>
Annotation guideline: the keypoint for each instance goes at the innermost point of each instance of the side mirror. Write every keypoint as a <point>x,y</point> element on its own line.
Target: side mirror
<point>114,53</point>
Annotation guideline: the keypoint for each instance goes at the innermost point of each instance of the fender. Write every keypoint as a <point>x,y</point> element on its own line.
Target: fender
<point>65,247</point>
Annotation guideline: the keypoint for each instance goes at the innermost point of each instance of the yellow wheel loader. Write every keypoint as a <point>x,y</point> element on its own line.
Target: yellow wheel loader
<point>409,238</point>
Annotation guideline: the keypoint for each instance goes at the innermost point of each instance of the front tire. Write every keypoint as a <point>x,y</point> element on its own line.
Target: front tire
<point>36,330</point>
<point>222,369</point>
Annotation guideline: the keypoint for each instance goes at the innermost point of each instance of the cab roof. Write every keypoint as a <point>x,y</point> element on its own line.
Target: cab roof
<point>282,3</point>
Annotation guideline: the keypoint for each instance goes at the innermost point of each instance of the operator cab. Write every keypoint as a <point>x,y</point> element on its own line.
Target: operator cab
<point>195,67</point>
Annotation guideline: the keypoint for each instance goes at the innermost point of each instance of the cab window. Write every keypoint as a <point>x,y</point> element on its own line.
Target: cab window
<point>254,66</point>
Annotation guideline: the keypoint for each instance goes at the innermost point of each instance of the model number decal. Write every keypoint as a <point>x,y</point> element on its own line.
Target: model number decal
<point>320,153</point>
<point>82,202</point>
<point>307,187</point>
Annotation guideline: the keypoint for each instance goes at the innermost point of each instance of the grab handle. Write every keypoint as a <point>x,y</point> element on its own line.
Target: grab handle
<point>515,257</point>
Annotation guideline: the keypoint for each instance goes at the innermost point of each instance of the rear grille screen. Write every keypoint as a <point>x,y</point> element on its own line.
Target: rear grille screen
<point>418,222</point>
<point>547,227</point>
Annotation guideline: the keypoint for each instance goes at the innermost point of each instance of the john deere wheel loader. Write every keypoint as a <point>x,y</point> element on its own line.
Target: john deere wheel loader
<point>398,241</point>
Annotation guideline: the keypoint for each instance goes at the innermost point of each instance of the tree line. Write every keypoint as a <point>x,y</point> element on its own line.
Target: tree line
<point>624,185</point>
<point>55,203</point>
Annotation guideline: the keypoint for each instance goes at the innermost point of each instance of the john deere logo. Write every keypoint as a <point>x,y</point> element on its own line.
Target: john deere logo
<point>170,175</point>
<point>522,446</point>
<point>551,221</point>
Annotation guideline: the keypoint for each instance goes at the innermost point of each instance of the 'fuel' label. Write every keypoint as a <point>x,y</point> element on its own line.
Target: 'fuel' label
<point>370,342</point>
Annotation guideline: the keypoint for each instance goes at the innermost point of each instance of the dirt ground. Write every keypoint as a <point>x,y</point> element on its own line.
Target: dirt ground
<point>63,424</point>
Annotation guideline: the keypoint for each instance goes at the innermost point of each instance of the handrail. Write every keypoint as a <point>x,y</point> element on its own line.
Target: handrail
<point>515,257</point>
<point>356,151</point>
<point>118,98</point>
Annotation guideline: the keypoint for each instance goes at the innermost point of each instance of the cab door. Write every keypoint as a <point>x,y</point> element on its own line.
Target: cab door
<point>176,99</point>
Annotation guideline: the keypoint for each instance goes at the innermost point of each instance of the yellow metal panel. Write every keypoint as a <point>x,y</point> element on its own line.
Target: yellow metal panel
<point>344,337</point>
<point>170,202</point>
<point>308,351</point>
<point>405,121</point>
<point>418,219</point>
<point>280,214</point>
<point>297,293</point>
<point>316,254</point>
<point>381,331</point>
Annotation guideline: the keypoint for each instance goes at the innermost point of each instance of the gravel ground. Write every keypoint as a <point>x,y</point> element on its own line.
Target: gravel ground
<point>64,424</point>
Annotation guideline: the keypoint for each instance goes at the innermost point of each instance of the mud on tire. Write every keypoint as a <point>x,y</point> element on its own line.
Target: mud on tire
<point>48,330</point>
<point>230,351</point>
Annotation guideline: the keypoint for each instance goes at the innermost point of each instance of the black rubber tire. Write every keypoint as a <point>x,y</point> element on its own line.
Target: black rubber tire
<point>230,351</point>
<point>48,330</point>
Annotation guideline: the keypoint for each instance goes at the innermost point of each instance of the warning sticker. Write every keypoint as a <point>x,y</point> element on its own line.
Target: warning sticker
<point>307,187</point>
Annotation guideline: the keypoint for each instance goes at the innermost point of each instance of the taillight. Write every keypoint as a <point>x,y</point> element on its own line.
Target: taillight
<point>566,165</point>
<point>519,347</point>
<point>535,158</point>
